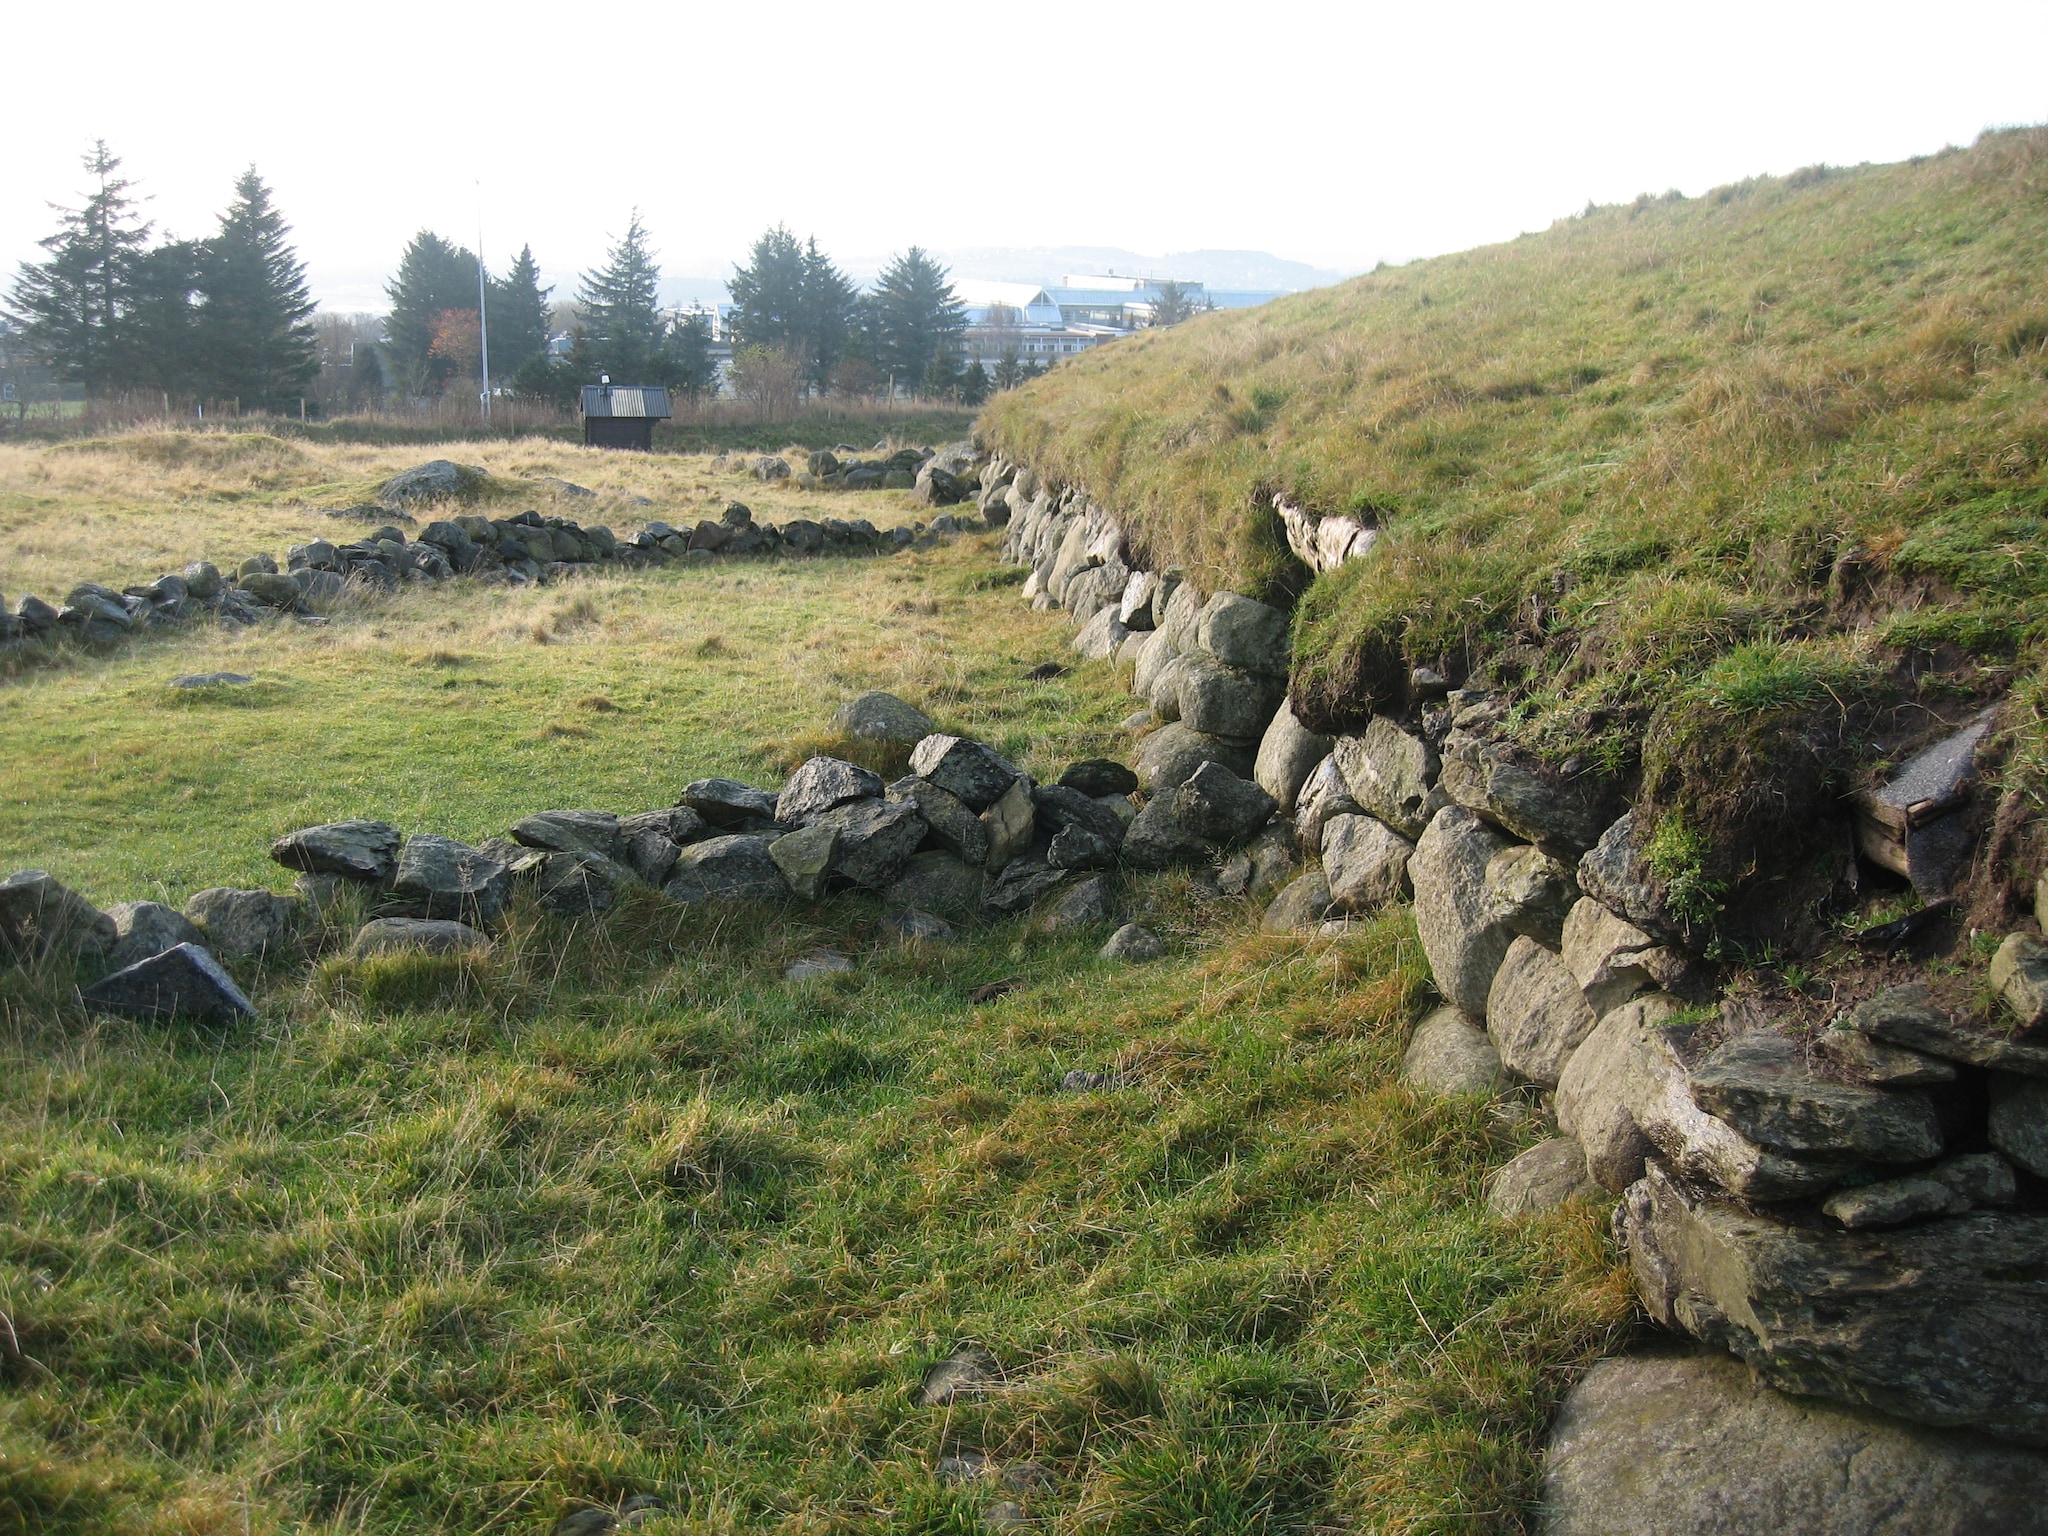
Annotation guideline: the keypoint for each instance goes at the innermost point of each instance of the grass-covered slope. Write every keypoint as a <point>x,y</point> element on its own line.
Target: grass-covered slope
<point>1764,445</point>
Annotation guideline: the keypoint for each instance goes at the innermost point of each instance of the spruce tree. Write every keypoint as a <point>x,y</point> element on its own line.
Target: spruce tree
<point>254,330</point>
<point>918,317</point>
<point>941,381</point>
<point>974,385</point>
<point>73,309</point>
<point>693,370</point>
<point>163,322</point>
<point>622,312</point>
<point>826,307</point>
<point>521,319</point>
<point>768,292</point>
<point>434,278</point>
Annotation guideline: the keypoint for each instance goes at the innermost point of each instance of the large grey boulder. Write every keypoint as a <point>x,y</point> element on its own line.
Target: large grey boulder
<point>1540,1179</point>
<point>878,716</point>
<point>1259,869</point>
<point>435,480</point>
<point>1214,808</point>
<point>823,784</point>
<point>1531,892</point>
<point>183,981</point>
<point>967,769</point>
<point>2019,975</point>
<point>361,850</point>
<point>1241,632</point>
<point>433,935</point>
<point>1010,824</point>
<point>1762,1086</point>
<point>1535,1014</point>
<point>575,884</point>
<point>145,928</point>
<point>1101,637</point>
<point>1611,959</point>
<point>805,858</point>
<point>1685,1445</point>
<point>1627,1092</point>
<point>1288,754</point>
<point>573,832</point>
<point>874,839</point>
<point>1367,862</point>
<point>1908,1015</point>
<point>734,867</point>
<point>1301,907</point>
<point>1219,700</point>
<point>39,914</point>
<point>1449,1054</point>
<point>439,877</point>
<point>242,924</point>
<point>1825,1312</point>
<point>727,802</point>
<point>1134,944</point>
<point>2019,1121</point>
<point>1159,652</point>
<point>936,881</point>
<point>1464,942</point>
<point>1324,797</point>
<point>1392,774</point>
<point>950,823</point>
<point>1171,754</point>
<point>1484,777</point>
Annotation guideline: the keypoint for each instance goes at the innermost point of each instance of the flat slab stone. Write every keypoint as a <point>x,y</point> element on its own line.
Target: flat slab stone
<point>1761,1085</point>
<point>1906,1015</point>
<point>1685,1445</point>
<point>434,935</point>
<point>440,877</point>
<point>823,784</point>
<point>211,680</point>
<point>362,850</point>
<point>727,802</point>
<point>595,832</point>
<point>182,982</point>
<point>736,867</point>
<point>1824,1312</point>
<point>1932,783</point>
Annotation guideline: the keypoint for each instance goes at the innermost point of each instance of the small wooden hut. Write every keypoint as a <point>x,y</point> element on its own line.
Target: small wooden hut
<point>622,415</point>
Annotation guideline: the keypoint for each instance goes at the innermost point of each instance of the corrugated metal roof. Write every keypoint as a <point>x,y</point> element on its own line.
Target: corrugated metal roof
<point>626,400</point>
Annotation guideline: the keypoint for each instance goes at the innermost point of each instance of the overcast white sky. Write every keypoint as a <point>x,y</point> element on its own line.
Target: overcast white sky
<point>1333,133</point>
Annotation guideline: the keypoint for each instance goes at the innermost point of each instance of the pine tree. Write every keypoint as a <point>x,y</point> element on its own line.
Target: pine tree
<point>768,292</point>
<point>73,309</point>
<point>521,319</point>
<point>917,316</point>
<point>826,306</point>
<point>254,330</point>
<point>622,312</point>
<point>1009,369</point>
<point>974,385</point>
<point>941,381</point>
<point>434,278</point>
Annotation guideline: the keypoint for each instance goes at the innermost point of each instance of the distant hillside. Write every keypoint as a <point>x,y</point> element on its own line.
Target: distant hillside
<point>1799,423</point>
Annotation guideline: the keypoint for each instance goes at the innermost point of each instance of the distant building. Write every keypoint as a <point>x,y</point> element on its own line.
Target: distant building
<point>1020,320</point>
<point>622,415</point>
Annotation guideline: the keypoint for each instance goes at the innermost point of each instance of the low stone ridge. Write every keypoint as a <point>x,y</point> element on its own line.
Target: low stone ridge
<point>1263,867</point>
<point>39,914</point>
<point>952,825</point>
<point>1535,1013</point>
<point>183,981</point>
<point>1392,774</point>
<point>872,840</point>
<point>1822,1312</point>
<point>1689,1444</point>
<point>1301,907</point>
<point>1288,754</point>
<point>438,877</point>
<point>596,832</point>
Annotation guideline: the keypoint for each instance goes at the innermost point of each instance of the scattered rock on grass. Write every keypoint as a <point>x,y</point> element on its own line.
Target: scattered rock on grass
<point>182,982</point>
<point>819,962</point>
<point>1540,1179</point>
<point>211,680</point>
<point>877,716</point>
<point>967,1371</point>
<point>1449,1054</point>
<point>435,935</point>
<point>1135,944</point>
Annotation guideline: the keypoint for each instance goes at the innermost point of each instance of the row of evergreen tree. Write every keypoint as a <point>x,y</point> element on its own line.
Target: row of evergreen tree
<point>229,317</point>
<point>224,317</point>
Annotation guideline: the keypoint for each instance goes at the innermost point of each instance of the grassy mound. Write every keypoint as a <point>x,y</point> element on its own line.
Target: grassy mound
<point>1715,458</point>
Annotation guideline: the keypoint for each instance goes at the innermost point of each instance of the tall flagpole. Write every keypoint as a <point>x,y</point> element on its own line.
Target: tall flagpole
<point>483,318</point>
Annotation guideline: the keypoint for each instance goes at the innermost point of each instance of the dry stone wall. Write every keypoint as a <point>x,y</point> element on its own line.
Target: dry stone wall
<point>1859,1214</point>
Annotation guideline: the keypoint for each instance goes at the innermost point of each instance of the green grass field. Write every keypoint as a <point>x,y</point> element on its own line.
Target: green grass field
<point>443,1245</point>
